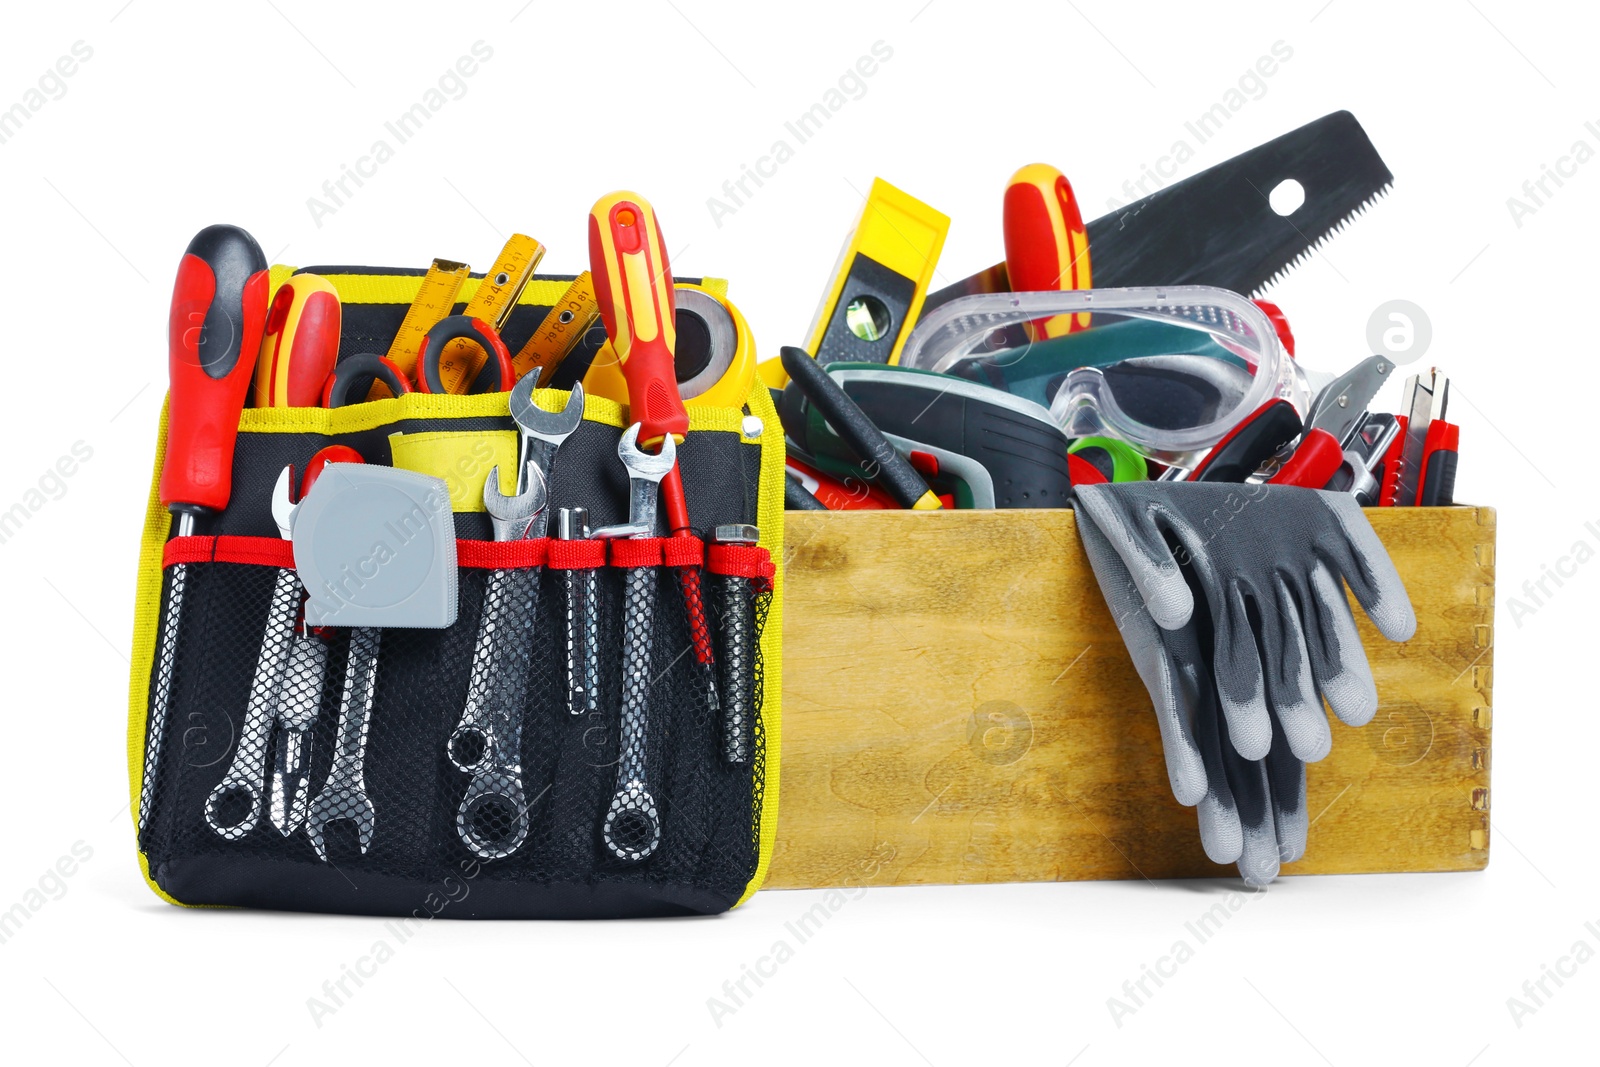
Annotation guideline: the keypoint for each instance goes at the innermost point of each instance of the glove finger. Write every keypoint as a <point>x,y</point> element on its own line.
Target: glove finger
<point>1221,835</point>
<point>1258,860</point>
<point>1366,566</point>
<point>1286,774</point>
<point>1239,678</point>
<point>1130,527</point>
<point>1338,660</point>
<point>1291,692</point>
<point>1159,657</point>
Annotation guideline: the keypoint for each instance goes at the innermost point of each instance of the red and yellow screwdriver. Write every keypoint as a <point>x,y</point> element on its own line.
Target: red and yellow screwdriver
<point>633,286</point>
<point>1047,247</point>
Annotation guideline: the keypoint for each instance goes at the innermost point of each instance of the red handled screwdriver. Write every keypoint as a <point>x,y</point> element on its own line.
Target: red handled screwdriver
<point>633,287</point>
<point>219,309</point>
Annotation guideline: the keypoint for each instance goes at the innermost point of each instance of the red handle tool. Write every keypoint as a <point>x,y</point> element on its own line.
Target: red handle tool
<point>301,343</point>
<point>1047,247</point>
<point>633,286</point>
<point>219,308</point>
<point>1316,460</point>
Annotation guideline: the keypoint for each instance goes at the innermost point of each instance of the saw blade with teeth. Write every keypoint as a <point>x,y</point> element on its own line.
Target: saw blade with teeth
<point>1219,227</point>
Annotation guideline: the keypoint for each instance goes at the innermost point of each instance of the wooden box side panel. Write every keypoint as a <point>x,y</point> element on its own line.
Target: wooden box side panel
<point>958,707</point>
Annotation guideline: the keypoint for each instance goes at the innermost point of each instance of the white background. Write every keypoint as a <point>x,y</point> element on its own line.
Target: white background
<point>188,114</point>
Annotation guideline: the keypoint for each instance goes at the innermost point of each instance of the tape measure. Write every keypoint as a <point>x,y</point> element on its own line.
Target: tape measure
<point>496,295</point>
<point>569,319</point>
<point>435,300</point>
<point>714,359</point>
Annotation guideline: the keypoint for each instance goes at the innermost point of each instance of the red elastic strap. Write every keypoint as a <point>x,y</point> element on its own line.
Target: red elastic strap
<point>636,551</point>
<point>683,551</point>
<point>741,561</point>
<point>188,550</point>
<point>500,555</point>
<point>576,555</point>
<point>229,548</point>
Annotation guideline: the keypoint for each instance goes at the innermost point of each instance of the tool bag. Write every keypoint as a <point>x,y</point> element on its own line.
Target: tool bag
<point>716,818</point>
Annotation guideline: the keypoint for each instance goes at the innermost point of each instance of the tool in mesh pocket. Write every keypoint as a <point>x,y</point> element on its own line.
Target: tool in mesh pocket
<point>344,794</point>
<point>631,828</point>
<point>580,590</point>
<point>492,820</point>
<point>738,616</point>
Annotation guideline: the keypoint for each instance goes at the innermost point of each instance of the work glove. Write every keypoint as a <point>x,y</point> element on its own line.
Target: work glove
<point>1236,685</point>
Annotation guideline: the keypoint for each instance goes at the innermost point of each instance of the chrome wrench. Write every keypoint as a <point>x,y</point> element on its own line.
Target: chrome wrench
<point>247,774</point>
<point>541,434</point>
<point>631,828</point>
<point>492,820</point>
<point>299,700</point>
<point>344,794</point>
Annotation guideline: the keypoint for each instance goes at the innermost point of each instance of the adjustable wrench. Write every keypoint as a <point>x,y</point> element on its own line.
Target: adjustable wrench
<point>247,774</point>
<point>632,825</point>
<point>344,794</point>
<point>493,818</point>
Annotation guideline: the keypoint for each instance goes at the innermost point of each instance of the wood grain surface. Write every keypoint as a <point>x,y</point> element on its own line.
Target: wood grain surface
<point>958,707</point>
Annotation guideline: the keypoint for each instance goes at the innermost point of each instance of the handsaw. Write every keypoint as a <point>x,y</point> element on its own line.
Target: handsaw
<point>1217,227</point>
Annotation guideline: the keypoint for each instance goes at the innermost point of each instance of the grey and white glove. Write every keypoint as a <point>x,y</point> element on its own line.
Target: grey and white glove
<point>1268,564</point>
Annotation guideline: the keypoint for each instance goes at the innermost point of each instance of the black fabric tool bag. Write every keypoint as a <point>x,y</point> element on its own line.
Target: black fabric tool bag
<point>627,804</point>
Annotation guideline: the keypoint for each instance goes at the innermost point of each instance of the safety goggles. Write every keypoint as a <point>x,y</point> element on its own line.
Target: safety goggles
<point>1169,370</point>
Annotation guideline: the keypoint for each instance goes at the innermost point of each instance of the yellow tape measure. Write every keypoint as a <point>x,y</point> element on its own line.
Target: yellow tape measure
<point>435,300</point>
<point>496,295</point>
<point>569,319</point>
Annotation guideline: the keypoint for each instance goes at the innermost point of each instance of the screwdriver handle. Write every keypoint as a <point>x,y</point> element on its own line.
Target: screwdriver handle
<point>887,467</point>
<point>300,344</point>
<point>219,308</point>
<point>633,286</point>
<point>1047,247</point>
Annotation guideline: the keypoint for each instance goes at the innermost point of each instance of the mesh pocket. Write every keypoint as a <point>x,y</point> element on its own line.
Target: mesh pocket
<point>521,829</point>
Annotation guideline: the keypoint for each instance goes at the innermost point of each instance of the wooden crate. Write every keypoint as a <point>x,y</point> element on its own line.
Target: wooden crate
<point>958,707</point>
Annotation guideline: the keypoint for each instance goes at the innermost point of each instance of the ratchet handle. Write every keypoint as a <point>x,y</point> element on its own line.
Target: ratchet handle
<point>1047,247</point>
<point>633,287</point>
<point>214,327</point>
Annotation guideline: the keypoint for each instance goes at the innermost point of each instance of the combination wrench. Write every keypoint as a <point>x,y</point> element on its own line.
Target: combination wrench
<point>540,435</point>
<point>492,820</point>
<point>246,778</point>
<point>631,828</point>
<point>344,794</point>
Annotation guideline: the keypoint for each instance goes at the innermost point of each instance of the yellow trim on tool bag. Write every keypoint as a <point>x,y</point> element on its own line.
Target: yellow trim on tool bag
<point>769,518</point>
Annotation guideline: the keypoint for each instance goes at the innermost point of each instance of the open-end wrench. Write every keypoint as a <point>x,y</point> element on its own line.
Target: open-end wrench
<point>246,777</point>
<point>541,434</point>
<point>344,794</point>
<point>493,818</point>
<point>632,825</point>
